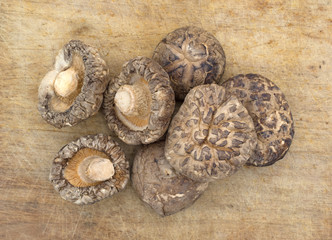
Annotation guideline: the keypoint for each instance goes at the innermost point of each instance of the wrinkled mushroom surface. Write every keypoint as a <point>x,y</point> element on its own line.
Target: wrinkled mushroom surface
<point>211,136</point>
<point>139,103</point>
<point>73,90</point>
<point>98,161</point>
<point>158,185</point>
<point>191,56</point>
<point>270,112</point>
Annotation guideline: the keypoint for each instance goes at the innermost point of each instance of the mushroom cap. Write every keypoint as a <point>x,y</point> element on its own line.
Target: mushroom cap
<point>270,112</point>
<point>91,194</point>
<point>158,185</point>
<point>90,98</point>
<point>191,56</point>
<point>211,136</point>
<point>162,104</point>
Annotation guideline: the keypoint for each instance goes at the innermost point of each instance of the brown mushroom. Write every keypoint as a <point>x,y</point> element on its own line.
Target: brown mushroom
<point>270,112</point>
<point>159,186</point>
<point>191,56</point>
<point>73,90</point>
<point>139,103</point>
<point>211,136</point>
<point>89,169</point>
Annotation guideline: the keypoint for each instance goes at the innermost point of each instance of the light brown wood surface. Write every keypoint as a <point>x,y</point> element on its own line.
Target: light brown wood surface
<point>288,41</point>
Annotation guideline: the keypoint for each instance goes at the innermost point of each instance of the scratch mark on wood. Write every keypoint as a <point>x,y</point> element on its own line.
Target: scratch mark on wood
<point>78,221</point>
<point>49,218</point>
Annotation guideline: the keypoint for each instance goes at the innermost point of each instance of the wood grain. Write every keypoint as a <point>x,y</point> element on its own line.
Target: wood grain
<point>289,42</point>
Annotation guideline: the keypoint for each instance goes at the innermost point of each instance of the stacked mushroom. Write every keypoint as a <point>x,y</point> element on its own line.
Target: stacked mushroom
<point>218,128</point>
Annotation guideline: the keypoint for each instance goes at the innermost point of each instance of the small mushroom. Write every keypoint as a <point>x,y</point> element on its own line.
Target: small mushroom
<point>73,90</point>
<point>139,103</point>
<point>159,186</point>
<point>211,136</point>
<point>89,169</point>
<point>270,112</point>
<point>191,56</point>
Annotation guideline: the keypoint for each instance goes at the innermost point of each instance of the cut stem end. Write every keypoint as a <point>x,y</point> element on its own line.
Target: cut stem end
<point>100,169</point>
<point>134,100</point>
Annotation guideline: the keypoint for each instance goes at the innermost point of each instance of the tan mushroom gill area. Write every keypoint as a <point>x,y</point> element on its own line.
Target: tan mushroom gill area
<point>133,104</point>
<point>88,167</point>
<point>67,85</point>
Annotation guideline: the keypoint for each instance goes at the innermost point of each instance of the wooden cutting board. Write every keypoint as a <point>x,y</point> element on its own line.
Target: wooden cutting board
<point>288,41</point>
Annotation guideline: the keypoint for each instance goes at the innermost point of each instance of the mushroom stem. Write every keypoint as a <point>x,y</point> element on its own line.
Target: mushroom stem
<point>134,100</point>
<point>66,82</point>
<point>95,169</point>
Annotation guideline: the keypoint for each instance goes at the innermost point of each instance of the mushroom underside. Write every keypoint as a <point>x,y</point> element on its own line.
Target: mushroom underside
<point>146,119</point>
<point>73,90</point>
<point>104,152</point>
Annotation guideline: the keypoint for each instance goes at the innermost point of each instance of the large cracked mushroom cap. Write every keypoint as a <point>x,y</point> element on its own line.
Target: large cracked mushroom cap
<point>89,169</point>
<point>139,103</point>
<point>191,56</point>
<point>211,136</point>
<point>73,90</point>
<point>159,186</point>
<point>270,112</point>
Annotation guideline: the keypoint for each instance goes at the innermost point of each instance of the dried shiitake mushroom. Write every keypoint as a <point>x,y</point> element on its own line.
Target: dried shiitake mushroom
<point>73,90</point>
<point>139,103</point>
<point>270,112</point>
<point>158,185</point>
<point>191,56</point>
<point>211,136</point>
<point>89,169</point>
